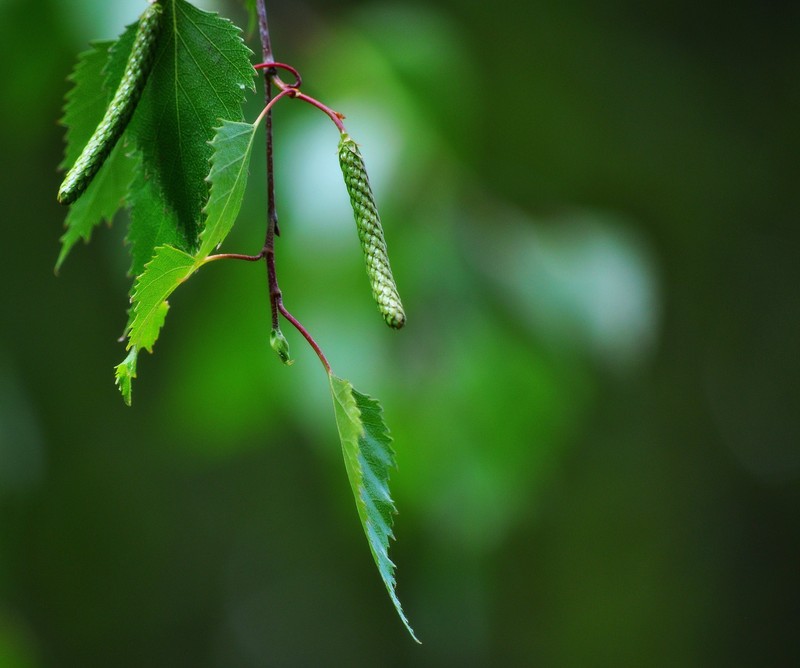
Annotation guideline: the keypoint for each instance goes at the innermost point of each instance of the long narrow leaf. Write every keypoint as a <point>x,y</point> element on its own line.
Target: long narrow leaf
<point>368,459</point>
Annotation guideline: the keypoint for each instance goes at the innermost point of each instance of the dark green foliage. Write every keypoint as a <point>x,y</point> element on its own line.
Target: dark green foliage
<point>555,510</point>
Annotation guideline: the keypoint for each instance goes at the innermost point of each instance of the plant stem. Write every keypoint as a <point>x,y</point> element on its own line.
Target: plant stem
<point>285,313</point>
<point>263,31</point>
<point>272,215</point>
<point>286,92</point>
<point>234,256</point>
<point>272,66</point>
<point>268,252</point>
<point>335,116</point>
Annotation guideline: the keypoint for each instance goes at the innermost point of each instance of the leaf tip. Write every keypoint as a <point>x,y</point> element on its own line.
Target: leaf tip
<point>124,373</point>
<point>66,246</point>
<point>368,458</point>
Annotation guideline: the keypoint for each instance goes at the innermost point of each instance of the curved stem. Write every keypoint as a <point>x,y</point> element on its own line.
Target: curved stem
<point>298,80</point>
<point>335,116</point>
<point>234,256</point>
<point>268,252</point>
<point>269,68</point>
<point>239,256</point>
<point>285,313</point>
<point>285,92</point>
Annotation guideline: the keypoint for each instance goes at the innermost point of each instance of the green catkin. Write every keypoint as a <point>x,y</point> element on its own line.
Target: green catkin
<point>120,109</point>
<point>370,233</point>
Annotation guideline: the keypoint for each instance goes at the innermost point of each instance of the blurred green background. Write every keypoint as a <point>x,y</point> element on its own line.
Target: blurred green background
<point>592,214</point>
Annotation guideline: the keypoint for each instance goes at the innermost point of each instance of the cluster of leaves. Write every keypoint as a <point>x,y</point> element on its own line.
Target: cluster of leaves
<point>181,168</point>
<point>160,166</point>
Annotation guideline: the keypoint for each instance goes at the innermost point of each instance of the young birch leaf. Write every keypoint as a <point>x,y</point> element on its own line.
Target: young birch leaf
<point>232,147</point>
<point>85,105</point>
<point>201,71</point>
<point>165,272</point>
<point>125,372</point>
<point>368,458</point>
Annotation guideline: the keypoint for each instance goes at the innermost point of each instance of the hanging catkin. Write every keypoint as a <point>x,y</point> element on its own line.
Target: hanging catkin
<point>119,110</point>
<point>370,233</point>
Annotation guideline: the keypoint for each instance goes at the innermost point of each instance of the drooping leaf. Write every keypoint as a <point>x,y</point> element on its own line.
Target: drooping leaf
<point>86,104</point>
<point>165,272</point>
<point>170,266</point>
<point>201,71</point>
<point>368,459</point>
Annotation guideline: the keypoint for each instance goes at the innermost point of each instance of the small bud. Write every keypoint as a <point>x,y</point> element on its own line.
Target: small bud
<point>281,346</point>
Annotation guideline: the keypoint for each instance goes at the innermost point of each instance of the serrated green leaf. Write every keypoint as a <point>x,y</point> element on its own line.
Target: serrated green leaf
<point>201,71</point>
<point>103,198</point>
<point>86,101</point>
<point>170,266</point>
<point>368,458</point>
<point>232,146</point>
<point>85,105</point>
<point>125,372</point>
<point>165,272</point>
<point>151,224</point>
